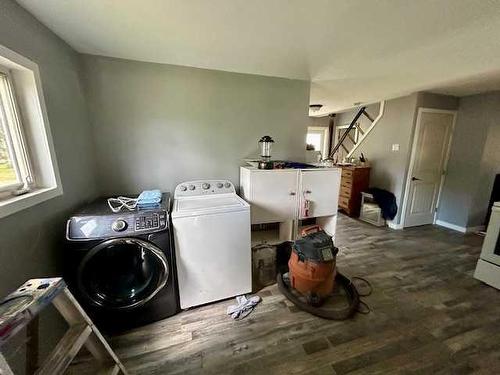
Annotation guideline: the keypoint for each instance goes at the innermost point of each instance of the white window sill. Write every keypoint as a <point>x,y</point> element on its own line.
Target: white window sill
<point>12,205</point>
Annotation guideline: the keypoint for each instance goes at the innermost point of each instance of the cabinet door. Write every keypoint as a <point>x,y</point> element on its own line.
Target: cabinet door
<point>321,188</point>
<point>274,196</point>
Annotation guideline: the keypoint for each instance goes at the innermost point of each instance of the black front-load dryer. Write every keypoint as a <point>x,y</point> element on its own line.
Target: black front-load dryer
<point>121,266</point>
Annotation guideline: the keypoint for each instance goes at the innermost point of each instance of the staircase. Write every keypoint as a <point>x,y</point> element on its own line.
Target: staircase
<point>353,136</point>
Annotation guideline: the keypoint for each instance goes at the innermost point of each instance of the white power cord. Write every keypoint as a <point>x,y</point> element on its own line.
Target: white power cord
<point>116,204</point>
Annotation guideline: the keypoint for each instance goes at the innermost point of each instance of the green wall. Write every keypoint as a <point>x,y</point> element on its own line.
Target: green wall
<point>474,161</point>
<point>30,239</point>
<point>157,125</point>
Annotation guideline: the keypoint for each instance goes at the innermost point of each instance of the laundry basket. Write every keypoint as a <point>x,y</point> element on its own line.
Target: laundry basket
<point>370,210</point>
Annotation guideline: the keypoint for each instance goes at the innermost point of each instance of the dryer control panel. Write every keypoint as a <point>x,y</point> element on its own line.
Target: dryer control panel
<point>97,221</point>
<point>116,225</point>
<point>150,220</point>
<point>204,187</point>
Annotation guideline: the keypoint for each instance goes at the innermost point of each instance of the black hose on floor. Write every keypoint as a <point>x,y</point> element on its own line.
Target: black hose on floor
<point>341,314</point>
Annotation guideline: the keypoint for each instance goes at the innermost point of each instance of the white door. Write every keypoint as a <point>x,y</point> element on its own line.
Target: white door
<point>427,166</point>
<point>273,196</point>
<point>320,188</point>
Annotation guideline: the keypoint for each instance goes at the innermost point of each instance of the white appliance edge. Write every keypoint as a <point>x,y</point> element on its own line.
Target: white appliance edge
<point>488,265</point>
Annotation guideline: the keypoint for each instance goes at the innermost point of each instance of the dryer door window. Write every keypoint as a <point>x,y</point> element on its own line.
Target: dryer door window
<point>122,273</point>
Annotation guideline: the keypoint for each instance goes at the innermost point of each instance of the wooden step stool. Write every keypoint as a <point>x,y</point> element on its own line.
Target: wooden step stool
<point>21,308</point>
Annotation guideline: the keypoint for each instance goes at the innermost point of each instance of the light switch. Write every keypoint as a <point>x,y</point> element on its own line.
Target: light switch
<point>395,147</point>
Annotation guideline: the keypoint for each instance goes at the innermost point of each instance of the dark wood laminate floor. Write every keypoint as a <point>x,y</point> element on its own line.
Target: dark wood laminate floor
<point>429,316</point>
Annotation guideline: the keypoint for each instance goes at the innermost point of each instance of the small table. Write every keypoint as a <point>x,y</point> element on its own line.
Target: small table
<point>21,308</point>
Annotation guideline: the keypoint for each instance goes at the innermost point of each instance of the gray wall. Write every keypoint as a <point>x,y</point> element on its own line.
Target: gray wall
<point>30,239</point>
<point>319,121</point>
<point>388,167</point>
<point>438,101</point>
<point>157,125</point>
<point>474,161</point>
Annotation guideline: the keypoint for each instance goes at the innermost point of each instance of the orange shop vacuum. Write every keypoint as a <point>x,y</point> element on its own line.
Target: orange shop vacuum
<point>312,276</point>
<point>312,265</point>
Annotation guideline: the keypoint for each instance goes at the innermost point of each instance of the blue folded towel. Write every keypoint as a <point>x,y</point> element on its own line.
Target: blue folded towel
<point>149,199</point>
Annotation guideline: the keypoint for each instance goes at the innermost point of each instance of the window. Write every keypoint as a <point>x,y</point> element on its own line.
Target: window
<point>15,171</point>
<point>28,168</point>
<point>317,138</point>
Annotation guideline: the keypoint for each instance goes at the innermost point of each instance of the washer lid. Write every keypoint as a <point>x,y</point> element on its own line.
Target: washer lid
<point>207,205</point>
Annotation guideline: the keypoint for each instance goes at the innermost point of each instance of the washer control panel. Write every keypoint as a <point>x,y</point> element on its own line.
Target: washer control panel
<point>204,187</point>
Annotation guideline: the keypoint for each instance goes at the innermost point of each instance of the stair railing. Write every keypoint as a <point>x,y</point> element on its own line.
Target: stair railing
<point>344,136</point>
<point>367,131</point>
<point>364,133</point>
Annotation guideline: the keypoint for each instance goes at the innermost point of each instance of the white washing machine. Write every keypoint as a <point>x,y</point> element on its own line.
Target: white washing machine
<point>211,226</point>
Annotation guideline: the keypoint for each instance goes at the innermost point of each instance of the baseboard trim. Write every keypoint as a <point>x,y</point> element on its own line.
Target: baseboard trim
<point>451,226</point>
<point>476,229</point>
<point>395,226</point>
<point>458,228</point>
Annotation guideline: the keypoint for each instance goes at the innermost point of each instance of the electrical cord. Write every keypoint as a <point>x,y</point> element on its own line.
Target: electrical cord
<point>116,204</point>
<point>366,309</point>
<point>366,282</point>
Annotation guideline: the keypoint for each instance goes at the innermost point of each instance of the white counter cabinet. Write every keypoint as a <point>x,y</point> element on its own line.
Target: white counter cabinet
<point>280,195</point>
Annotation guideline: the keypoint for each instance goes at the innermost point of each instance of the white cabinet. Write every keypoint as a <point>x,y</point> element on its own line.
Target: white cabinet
<point>279,195</point>
<point>273,196</point>
<point>320,188</point>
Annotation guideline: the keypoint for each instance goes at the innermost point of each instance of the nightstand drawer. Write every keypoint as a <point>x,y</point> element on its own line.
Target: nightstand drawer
<point>345,191</point>
<point>344,202</point>
<point>346,173</point>
<point>346,183</point>
<point>354,180</point>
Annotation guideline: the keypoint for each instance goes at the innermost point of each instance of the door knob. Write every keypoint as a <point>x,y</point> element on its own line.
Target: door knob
<point>415,179</point>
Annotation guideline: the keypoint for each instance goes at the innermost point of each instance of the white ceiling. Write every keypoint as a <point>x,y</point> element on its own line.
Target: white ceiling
<point>351,50</point>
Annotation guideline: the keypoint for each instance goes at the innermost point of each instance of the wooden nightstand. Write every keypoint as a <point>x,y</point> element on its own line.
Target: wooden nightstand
<point>354,181</point>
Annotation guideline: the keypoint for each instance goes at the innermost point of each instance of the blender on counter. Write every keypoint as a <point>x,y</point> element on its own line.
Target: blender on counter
<point>265,152</point>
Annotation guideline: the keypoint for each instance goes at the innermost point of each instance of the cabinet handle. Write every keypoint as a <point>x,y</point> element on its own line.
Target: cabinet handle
<point>307,191</point>
<point>292,193</point>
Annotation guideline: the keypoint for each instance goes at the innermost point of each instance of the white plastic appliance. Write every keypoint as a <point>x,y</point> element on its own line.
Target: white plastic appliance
<point>212,242</point>
<point>488,265</point>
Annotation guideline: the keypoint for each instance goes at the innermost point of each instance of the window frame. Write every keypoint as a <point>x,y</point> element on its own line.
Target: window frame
<point>15,137</point>
<point>39,163</point>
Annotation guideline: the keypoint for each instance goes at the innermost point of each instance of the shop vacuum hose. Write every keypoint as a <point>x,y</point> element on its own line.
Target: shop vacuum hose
<point>341,314</point>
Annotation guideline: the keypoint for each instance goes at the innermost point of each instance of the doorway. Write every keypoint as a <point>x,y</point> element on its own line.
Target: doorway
<point>427,169</point>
